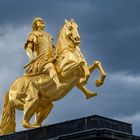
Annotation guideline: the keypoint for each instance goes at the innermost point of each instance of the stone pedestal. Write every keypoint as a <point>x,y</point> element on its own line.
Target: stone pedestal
<point>88,128</point>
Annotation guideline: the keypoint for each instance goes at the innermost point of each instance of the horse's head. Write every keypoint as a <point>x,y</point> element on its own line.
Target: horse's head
<point>68,36</point>
<point>71,32</point>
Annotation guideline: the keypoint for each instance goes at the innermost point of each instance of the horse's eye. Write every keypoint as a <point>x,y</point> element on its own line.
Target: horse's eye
<point>70,28</point>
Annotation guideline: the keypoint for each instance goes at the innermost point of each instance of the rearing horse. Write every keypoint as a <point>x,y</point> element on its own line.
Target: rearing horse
<point>34,94</point>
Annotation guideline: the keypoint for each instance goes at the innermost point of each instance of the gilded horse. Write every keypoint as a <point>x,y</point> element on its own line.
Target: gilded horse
<point>35,94</point>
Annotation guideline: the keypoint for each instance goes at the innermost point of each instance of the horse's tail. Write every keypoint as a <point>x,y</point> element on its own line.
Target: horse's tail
<point>7,123</point>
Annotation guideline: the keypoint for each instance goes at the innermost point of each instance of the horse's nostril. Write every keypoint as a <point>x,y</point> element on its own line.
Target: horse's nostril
<point>76,38</point>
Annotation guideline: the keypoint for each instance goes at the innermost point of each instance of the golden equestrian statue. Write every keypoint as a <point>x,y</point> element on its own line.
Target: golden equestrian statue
<point>50,75</point>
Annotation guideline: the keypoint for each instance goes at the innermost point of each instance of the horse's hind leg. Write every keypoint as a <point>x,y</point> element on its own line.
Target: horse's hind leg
<point>29,111</point>
<point>30,106</point>
<point>42,112</point>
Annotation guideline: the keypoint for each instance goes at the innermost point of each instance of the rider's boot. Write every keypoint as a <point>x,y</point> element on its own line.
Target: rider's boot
<point>53,74</point>
<point>57,82</point>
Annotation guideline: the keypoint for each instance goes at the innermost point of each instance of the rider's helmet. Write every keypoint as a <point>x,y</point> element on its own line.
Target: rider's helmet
<point>35,21</point>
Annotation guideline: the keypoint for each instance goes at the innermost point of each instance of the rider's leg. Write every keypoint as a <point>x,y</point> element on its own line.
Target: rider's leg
<point>42,113</point>
<point>54,75</point>
<point>86,92</point>
<point>30,106</point>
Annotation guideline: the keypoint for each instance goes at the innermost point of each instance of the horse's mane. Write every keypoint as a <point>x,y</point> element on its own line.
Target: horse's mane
<point>61,28</point>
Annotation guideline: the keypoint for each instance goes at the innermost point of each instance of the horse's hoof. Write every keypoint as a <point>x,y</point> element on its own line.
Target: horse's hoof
<point>88,96</point>
<point>26,124</point>
<point>36,125</point>
<point>98,83</point>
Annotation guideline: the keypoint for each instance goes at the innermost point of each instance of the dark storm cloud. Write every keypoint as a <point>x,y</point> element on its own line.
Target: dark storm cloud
<point>19,11</point>
<point>109,29</point>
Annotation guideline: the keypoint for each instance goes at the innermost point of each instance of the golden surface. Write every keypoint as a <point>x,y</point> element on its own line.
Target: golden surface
<point>51,73</point>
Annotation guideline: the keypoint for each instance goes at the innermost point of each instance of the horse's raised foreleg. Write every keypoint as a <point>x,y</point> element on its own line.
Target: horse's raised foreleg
<point>86,92</point>
<point>42,112</point>
<point>97,64</point>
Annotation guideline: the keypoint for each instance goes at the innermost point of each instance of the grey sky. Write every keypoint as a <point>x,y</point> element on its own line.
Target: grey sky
<point>110,32</point>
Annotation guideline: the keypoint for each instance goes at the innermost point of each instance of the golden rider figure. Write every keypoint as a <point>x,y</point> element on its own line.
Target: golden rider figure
<point>37,43</point>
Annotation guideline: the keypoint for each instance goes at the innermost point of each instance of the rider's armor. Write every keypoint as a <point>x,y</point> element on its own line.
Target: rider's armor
<point>42,44</point>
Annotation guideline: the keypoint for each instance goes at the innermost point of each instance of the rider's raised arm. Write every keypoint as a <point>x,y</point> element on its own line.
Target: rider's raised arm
<point>30,46</point>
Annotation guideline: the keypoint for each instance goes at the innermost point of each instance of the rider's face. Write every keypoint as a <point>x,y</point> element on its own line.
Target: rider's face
<point>40,25</point>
